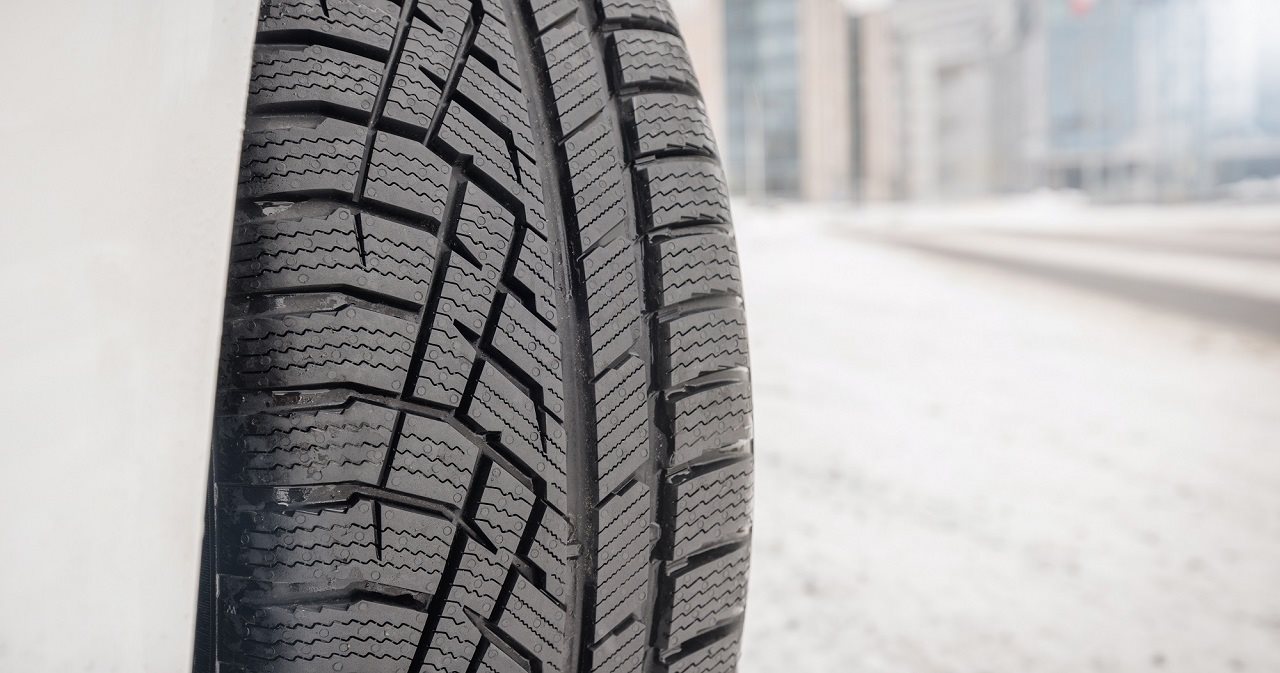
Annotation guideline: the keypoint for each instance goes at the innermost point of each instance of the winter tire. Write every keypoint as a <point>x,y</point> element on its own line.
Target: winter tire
<point>484,401</point>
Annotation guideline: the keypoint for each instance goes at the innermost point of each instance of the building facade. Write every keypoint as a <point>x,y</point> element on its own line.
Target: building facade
<point>946,99</point>
<point>1125,100</point>
<point>1124,87</point>
<point>778,83</point>
<point>1243,79</point>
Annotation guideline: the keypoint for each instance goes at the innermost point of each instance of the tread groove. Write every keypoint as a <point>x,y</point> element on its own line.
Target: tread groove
<point>384,90</point>
<point>575,355</point>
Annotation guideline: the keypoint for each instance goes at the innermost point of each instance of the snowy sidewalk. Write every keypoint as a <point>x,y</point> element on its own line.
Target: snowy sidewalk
<point>968,465</point>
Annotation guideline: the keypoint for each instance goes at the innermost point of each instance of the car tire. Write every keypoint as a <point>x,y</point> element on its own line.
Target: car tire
<point>484,400</point>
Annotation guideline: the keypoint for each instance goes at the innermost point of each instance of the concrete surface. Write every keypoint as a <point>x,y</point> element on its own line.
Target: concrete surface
<point>968,465</point>
<point>120,126</point>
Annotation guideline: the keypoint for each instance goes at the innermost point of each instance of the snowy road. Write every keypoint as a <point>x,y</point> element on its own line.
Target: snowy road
<point>984,454</point>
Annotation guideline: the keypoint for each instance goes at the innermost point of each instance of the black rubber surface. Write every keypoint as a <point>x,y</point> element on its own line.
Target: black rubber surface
<point>484,398</point>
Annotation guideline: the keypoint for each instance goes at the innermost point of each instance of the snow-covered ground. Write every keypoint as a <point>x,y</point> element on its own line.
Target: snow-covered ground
<point>968,464</point>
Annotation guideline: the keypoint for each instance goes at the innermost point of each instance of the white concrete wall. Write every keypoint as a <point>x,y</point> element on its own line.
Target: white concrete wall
<point>120,125</point>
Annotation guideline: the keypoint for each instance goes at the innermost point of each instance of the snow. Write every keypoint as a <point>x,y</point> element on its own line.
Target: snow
<point>963,468</point>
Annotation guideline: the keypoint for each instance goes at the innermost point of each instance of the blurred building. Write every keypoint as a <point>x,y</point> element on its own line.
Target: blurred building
<point>1161,99</point>
<point>778,76</point>
<point>1125,91</point>
<point>947,89</point>
<point>1243,90</point>
<point>944,99</point>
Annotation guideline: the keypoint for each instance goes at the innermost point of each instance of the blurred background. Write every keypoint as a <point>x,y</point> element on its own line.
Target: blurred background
<point>920,100</point>
<point>1013,276</point>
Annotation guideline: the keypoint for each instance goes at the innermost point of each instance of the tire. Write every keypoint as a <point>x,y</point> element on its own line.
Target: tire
<point>484,398</point>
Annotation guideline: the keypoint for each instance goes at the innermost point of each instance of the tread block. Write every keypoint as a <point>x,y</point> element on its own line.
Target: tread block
<point>363,636</point>
<point>649,58</point>
<point>432,460</point>
<point>493,39</point>
<point>697,265</point>
<point>317,244</point>
<point>504,509</point>
<point>648,11</point>
<point>451,15</point>
<point>717,656</point>
<point>348,344</point>
<point>713,508</point>
<point>551,550</point>
<point>500,98</point>
<point>686,192</point>
<point>413,98</point>
<point>474,589</point>
<point>534,348</point>
<point>306,447</point>
<point>313,75</point>
<point>485,229</point>
<point>365,25</point>
<point>479,579</point>
<point>705,342</point>
<point>596,171</point>
<point>577,80</point>
<point>622,652</point>
<point>535,622</point>
<point>493,157</point>
<point>622,423</point>
<point>531,181</point>
<point>533,270</point>
<point>668,123</point>
<point>431,51</point>
<point>554,439</point>
<point>708,594</point>
<point>613,300</point>
<point>500,407</point>
<point>281,161</point>
<point>465,300</point>
<point>467,294</point>
<point>405,549</point>
<point>455,642</point>
<point>622,563</point>
<point>710,419</point>
<point>443,376</point>
<point>466,135</point>
<point>547,12</point>
<point>497,661</point>
<point>404,174</point>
